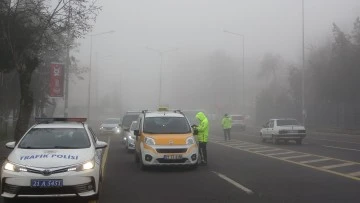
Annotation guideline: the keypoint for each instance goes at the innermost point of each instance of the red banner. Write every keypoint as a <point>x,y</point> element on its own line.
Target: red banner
<point>56,80</point>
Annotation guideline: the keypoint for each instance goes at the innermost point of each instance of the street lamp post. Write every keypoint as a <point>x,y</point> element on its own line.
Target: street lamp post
<point>243,68</point>
<point>303,66</point>
<point>161,54</point>
<point>89,87</point>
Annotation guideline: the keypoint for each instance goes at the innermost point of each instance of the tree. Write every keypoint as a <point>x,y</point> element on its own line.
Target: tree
<point>270,65</point>
<point>30,29</point>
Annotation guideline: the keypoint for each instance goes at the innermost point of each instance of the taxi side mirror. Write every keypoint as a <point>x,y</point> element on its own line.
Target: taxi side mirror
<point>10,145</point>
<point>136,132</point>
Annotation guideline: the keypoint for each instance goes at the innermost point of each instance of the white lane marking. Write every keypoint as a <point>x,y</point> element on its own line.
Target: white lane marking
<point>315,160</point>
<point>246,145</point>
<point>270,150</point>
<point>337,165</point>
<point>299,156</point>
<point>257,148</point>
<point>281,153</point>
<point>236,184</point>
<point>358,150</point>
<point>332,140</point>
<point>354,173</point>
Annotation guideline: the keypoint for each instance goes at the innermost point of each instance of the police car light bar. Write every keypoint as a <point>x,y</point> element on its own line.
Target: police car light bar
<point>49,120</point>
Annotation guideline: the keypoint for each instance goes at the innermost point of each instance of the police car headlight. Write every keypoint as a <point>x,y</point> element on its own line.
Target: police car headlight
<point>9,166</point>
<point>88,165</point>
<point>83,167</point>
<point>12,167</point>
<point>190,141</point>
<point>149,141</point>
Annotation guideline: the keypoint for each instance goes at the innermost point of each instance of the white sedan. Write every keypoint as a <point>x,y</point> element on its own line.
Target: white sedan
<point>55,158</point>
<point>130,137</point>
<point>283,129</point>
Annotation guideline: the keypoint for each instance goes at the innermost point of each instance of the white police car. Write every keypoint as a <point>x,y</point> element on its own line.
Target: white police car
<point>58,157</point>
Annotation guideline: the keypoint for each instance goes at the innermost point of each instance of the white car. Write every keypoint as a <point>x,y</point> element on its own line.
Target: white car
<point>283,129</point>
<point>55,158</point>
<point>238,122</point>
<point>111,126</point>
<point>130,137</point>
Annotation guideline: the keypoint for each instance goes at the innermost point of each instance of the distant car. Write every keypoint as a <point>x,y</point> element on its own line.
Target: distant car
<point>57,157</point>
<point>283,129</point>
<point>130,137</point>
<point>111,126</point>
<point>238,122</point>
<point>128,118</point>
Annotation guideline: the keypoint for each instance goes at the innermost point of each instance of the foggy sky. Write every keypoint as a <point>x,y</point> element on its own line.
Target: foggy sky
<point>195,27</point>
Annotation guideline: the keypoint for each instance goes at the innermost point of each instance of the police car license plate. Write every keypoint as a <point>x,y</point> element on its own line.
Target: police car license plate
<point>171,157</point>
<point>46,183</point>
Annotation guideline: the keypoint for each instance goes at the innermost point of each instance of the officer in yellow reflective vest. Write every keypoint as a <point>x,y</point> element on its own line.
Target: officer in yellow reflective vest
<point>202,136</point>
<point>227,124</point>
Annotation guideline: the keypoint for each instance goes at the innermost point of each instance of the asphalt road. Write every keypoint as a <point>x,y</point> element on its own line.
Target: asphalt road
<point>242,170</point>
<point>239,172</point>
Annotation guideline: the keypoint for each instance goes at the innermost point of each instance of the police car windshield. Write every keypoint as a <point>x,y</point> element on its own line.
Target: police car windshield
<point>55,138</point>
<point>166,125</point>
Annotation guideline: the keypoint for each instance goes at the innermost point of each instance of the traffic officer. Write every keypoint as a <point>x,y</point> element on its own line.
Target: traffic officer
<point>227,124</point>
<point>203,135</point>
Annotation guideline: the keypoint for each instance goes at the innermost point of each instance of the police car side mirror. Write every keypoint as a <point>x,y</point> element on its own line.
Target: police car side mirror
<point>136,132</point>
<point>100,145</point>
<point>10,145</point>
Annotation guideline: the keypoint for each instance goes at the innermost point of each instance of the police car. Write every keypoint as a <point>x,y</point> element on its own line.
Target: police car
<point>57,157</point>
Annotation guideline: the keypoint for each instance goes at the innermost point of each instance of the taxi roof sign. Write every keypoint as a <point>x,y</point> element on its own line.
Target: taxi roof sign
<point>163,108</point>
<point>50,120</point>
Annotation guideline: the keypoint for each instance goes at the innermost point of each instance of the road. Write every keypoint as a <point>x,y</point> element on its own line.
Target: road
<point>242,170</point>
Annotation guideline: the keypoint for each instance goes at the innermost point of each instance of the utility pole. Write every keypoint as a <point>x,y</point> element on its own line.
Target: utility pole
<point>67,69</point>
<point>90,63</point>
<point>243,106</point>
<point>161,54</point>
<point>303,66</point>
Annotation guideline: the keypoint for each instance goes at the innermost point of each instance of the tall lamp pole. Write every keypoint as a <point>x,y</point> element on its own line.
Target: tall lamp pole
<point>89,87</point>
<point>303,66</point>
<point>243,65</point>
<point>161,54</point>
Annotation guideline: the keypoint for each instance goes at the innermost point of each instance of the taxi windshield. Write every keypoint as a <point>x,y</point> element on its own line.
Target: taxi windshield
<point>166,125</point>
<point>55,138</point>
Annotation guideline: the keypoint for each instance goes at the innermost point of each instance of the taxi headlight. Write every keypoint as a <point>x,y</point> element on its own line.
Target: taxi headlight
<point>149,141</point>
<point>190,141</point>
<point>12,167</point>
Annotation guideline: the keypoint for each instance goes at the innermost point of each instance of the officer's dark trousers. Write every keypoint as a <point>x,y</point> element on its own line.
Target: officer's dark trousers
<point>202,151</point>
<point>227,134</point>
